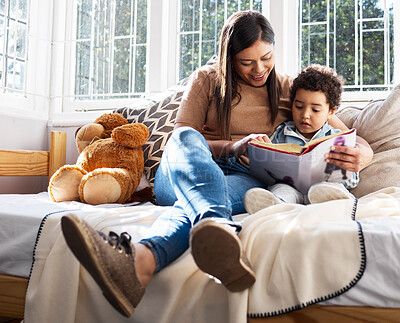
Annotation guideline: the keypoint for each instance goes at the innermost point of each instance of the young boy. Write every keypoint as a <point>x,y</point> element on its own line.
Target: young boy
<point>315,96</point>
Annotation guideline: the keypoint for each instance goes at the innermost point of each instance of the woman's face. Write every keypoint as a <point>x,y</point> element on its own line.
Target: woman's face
<point>254,63</point>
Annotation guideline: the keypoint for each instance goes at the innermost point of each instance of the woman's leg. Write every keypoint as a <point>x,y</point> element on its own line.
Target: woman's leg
<point>189,178</point>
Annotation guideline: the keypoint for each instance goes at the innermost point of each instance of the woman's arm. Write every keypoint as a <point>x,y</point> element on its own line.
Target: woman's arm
<point>351,159</point>
<point>226,148</point>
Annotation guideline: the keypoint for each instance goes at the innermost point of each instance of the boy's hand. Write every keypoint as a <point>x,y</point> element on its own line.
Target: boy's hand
<point>348,158</point>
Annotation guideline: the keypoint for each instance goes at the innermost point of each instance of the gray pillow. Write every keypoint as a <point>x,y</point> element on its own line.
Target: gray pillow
<point>379,124</point>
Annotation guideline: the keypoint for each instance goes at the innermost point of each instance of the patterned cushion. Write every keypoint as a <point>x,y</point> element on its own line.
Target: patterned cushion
<point>158,113</point>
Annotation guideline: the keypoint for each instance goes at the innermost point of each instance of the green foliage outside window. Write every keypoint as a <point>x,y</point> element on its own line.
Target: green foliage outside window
<point>359,43</point>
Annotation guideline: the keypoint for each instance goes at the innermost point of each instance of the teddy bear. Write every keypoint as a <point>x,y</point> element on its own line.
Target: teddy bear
<point>109,167</point>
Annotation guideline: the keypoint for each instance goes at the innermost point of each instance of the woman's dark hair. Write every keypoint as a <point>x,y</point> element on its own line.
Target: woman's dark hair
<point>241,31</point>
<point>319,78</point>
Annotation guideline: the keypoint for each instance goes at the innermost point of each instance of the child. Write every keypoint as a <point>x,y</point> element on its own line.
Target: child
<point>315,96</point>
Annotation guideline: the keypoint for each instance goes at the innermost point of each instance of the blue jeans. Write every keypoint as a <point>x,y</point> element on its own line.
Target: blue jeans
<point>198,187</point>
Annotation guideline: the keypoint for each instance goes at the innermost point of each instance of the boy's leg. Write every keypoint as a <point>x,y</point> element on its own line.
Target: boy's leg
<point>257,198</point>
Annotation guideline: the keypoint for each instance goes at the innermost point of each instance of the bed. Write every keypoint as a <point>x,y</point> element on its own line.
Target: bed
<point>374,297</point>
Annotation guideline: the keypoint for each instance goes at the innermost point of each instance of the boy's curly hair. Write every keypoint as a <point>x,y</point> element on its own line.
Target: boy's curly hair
<point>319,78</point>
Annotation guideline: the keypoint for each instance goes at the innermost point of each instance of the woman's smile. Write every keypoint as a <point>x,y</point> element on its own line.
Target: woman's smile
<point>254,64</point>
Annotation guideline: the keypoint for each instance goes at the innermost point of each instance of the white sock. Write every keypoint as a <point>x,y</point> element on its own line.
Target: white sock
<point>287,193</point>
<point>259,198</point>
<point>323,192</point>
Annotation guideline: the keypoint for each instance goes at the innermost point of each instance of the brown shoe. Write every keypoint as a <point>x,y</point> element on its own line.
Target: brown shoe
<point>109,260</point>
<point>216,249</point>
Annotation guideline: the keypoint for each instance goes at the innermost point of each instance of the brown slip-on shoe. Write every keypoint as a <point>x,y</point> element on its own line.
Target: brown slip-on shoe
<point>216,249</point>
<point>108,259</point>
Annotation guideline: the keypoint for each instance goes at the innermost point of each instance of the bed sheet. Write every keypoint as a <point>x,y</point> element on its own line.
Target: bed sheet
<point>21,216</point>
<point>20,219</point>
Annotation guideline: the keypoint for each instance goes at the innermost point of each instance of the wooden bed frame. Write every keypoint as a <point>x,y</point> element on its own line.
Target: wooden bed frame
<point>27,163</point>
<point>41,163</point>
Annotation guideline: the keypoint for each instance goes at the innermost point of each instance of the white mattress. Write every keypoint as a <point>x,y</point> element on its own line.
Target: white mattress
<point>21,216</point>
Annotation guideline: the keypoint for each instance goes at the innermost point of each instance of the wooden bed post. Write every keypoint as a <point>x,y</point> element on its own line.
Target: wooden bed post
<point>58,141</point>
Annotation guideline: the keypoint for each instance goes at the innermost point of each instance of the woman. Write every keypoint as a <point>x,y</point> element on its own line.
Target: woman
<point>204,172</point>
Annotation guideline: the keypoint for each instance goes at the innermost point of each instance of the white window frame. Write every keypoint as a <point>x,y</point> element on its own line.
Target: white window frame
<point>33,102</point>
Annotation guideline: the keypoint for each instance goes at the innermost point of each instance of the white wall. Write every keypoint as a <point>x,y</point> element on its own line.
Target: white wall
<point>26,134</point>
<point>29,134</point>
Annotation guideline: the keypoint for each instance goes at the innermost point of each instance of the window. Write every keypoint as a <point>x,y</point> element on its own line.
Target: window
<point>13,45</point>
<point>355,37</point>
<point>200,25</point>
<point>110,49</point>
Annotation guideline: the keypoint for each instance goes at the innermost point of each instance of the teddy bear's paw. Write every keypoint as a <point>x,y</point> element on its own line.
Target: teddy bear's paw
<point>105,185</point>
<point>64,183</point>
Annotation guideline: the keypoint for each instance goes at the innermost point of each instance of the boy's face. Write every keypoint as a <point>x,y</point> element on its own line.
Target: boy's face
<point>310,111</point>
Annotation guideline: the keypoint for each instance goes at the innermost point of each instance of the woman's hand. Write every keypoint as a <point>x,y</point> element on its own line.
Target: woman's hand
<point>351,159</point>
<point>226,148</point>
<point>240,147</point>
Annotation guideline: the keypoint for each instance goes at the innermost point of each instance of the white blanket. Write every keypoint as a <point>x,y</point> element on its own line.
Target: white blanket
<point>301,255</point>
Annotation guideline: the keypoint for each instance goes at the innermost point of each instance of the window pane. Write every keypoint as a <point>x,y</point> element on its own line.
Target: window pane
<point>121,65</point>
<point>1,69</point>
<point>15,74</point>
<point>21,41</point>
<point>82,68</point>
<point>345,45</point>
<point>101,69</point>
<point>190,15</point>
<point>373,24</point>
<point>12,37</point>
<point>245,5</point>
<point>123,15</point>
<point>313,45</point>
<point>189,55</point>
<point>372,8</point>
<point>209,45</point>
<point>373,62</point>
<point>141,23</point>
<point>257,5</point>
<point>2,6</point>
<point>1,35</point>
<point>314,11</point>
<point>84,19</point>
<point>140,69</point>
<point>233,6</point>
<point>18,9</point>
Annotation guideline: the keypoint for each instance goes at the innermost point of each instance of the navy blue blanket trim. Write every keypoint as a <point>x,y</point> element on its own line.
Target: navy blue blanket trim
<point>41,228</point>
<point>330,296</point>
<point>38,236</point>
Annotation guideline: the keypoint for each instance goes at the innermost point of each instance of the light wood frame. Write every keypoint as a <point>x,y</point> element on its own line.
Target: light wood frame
<point>27,163</point>
<point>13,288</point>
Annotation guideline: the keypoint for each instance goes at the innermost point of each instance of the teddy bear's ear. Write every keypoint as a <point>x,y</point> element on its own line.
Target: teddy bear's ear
<point>111,121</point>
<point>131,135</point>
<point>86,133</point>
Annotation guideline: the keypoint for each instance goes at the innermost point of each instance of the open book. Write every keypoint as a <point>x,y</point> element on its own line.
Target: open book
<point>299,166</point>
